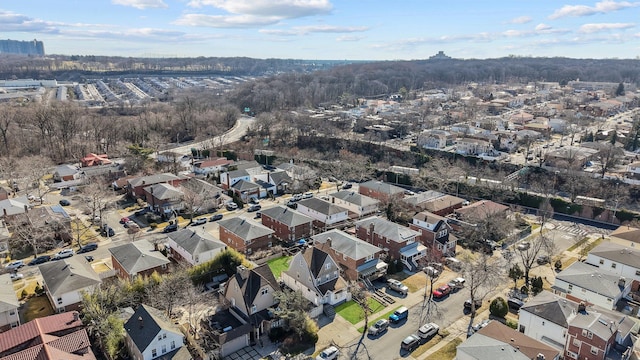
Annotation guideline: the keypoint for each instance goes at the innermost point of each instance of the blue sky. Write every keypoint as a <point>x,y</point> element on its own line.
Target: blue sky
<point>327,29</point>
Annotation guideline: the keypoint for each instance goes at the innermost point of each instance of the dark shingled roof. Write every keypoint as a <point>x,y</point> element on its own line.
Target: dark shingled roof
<point>64,276</point>
<point>195,243</point>
<point>323,207</point>
<point>382,187</point>
<point>244,228</point>
<point>258,277</point>
<point>138,256</point>
<point>284,215</point>
<point>145,324</point>
<point>315,259</point>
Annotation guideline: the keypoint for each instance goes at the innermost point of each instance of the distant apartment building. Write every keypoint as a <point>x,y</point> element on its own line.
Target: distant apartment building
<point>33,47</point>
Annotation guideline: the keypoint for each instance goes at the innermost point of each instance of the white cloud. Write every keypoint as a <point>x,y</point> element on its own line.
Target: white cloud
<point>542,27</point>
<point>602,7</point>
<point>521,20</point>
<point>349,38</point>
<point>222,21</point>
<point>304,30</point>
<point>592,28</point>
<point>12,22</point>
<point>284,9</point>
<point>141,4</point>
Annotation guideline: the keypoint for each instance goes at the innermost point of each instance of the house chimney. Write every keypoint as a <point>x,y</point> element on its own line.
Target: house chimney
<point>372,227</point>
<point>243,272</point>
<point>151,190</point>
<point>26,208</point>
<point>582,307</point>
<point>76,316</point>
<point>622,282</point>
<point>140,322</point>
<point>540,356</point>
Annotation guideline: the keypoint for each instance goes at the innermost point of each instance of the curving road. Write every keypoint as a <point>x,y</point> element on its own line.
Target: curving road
<point>234,134</point>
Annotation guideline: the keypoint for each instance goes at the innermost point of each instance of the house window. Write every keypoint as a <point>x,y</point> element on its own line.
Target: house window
<point>521,329</point>
<point>265,291</point>
<point>254,309</point>
<point>572,355</point>
<point>269,245</point>
<point>594,350</point>
<point>576,342</point>
<point>164,336</point>
<point>637,272</point>
<point>601,261</point>
<point>159,337</point>
<point>154,353</point>
<point>164,349</point>
<point>173,345</point>
<point>570,287</point>
<point>613,265</point>
<point>439,247</point>
<point>12,312</point>
<point>327,266</point>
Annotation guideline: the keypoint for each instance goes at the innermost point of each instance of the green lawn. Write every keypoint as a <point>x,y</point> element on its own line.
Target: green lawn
<point>383,316</point>
<point>278,265</point>
<point>351,312</point>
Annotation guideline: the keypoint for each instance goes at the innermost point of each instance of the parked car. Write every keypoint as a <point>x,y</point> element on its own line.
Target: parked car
<point>107,231</point>
<point>231,206</point>
<point>129,224</point>
<point>399,315</point>
<point>63,254</point>
<point>64,202</point>
<point>16,276</point>
<point>14,265</point>
<point>87,248</point>
<point>39,260</point>
<point>428,330</point>
<point>216,217</point>
<point>200,221</point>
<point>254,200</point>
<point>524,245</point>
<point>347,186</point>
<point>124,220</point>
<point>254,207</point>
<point>543,259</point>
<point>307,195</point>
<point>141,212</point>
<point>514,304</point>
<point>453,263</point>
<point>296,197</point>
<point>379,327</point>
<point>456,284</point>
<point>292,204</point>
<point>481,324</point>
<point>329,353</point>
<point>431,271</point>
<point>398,286</point>
<point>467,304</point>
<point>410,343</point>
<point>441,291</point>
<point>170,228</point>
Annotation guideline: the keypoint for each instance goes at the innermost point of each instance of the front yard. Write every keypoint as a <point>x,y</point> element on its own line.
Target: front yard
<point>352,312</point>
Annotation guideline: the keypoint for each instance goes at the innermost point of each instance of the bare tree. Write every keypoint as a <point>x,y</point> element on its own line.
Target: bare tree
<point>96,198</point>
<point>360,295</point>
<point>609,156</point>
<point>29,232</point>
<point>538,245</point>
<point>170,292</point>
<point>482,274</point>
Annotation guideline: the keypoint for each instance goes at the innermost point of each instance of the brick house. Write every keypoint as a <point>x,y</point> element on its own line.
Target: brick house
<point>288,225</point>
<point>357,259</point>
<point>163,197</point>
<point>589,335</point>
<point>246,236</point>
<point>135,186</point>
<point>137,258</point>
<point>381,190</point>
<point>435,233</point>
<point>442,205</point>
<point>393,238</point>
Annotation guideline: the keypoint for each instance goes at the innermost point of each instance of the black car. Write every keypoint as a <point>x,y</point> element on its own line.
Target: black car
<point>141,212</point>
<point>40,260</point>
<point>88,247</point>
<point>107,231</point>
<point>292,204</point>
<point>347,186</point>
<point>65,202</point>
<point>216,217</point>
<point>170,228</point>
<point>514,304</point>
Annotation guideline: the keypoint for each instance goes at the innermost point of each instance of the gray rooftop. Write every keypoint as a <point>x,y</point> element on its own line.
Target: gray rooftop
<point>286,216</point>
<point>164,191</point>
<point>68,275</point>
<point>244,228</point>
<point>422,197</point>
<point>145,324</point>
<point>323,207</point>
<point>382,187</point>
<point>346,244</point>
<point>355,198</point>
<point>138,256</point>
<point>388,229</point>
<point>481,347</point>
<point>8,298</point>
<point>618,253</point>
<point>591,278</point>
<point>195,243</point>
<point>152,179</point>
<point>550,307</point>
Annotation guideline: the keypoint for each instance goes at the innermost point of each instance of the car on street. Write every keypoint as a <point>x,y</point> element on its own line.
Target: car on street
<point>467,304</point>
<point>292,204</point>
<point>329,353</point>
<point>379,327</point>
<point>39,260</point>
<point>64,202</point>
<point>63,254</point>
<point>16,276</point>
<point>410,343</point>
<point>399,315</point>
<point>170,228</point>
<point>398,286</point>
<point>431,271</point>
<point>481,324</point>
<point>347,186</point>
<point>124,220</point>
<point>15,265</point>
<point>441,291</point>
<point>456,284</point>
<point>254,207</point>
<point>543,259</point>
<point>307,195</point>
<point>428,330</point>
<point>87,248</point>
<point>296,197</point>
<point>215,217</point>
<point>200,221</point>
<point>107,231</point>
<point>141,212</point>
<point>524,245</point>
<point>231,206</point>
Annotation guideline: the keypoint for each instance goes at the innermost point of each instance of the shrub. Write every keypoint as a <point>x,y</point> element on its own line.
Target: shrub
<point>558,265</point>
<point>311,331</point>
<point>512,324</point>
<point>499,307</point>
<point>24,294</point>
<point>536,285</point>
<point>524,290</point>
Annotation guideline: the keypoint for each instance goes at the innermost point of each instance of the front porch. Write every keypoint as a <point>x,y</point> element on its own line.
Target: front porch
<point>410,254</point>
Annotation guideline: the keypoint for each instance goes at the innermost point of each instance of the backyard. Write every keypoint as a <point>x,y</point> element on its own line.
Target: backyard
<point>278,265</point>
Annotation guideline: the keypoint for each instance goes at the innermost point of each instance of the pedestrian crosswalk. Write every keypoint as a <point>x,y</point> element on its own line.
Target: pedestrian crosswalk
<point>579,230</point>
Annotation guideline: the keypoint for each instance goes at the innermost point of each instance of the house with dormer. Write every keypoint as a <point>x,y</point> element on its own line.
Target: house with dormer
<point>399,242</point>
<point>435,233</point>
<point>135,186</point>
<point>65,280</point>
<point>357,259</point>
<point>316,275</point>
<point>149,335</point>
<point>163,198</point>
<point>244,235</point>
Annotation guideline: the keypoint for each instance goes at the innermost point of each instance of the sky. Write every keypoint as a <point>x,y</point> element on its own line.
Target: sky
<point>328,29</point>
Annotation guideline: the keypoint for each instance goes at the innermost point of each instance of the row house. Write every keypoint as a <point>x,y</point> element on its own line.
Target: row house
<point>288,225</point>
<point>244,235</point>
<point>381,191</point>
<point>326,215</point>
<point>316,275</point>
<point>358,205</point>
<point>469,146</point>
<point>164,198</point>
<point>138,258</point>
<point>135,186</point>
<point>193,247</point>
<point>396,240</point>
<point>435,139</point>
<point>619,260</point>
<point>358,259</point>
<point>436,234</point>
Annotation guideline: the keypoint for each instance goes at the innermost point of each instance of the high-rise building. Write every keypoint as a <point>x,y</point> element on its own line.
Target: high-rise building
<point>34,47</point>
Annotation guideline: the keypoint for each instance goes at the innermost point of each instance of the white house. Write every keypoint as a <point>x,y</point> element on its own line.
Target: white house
<point>317,276</point>
<point>618,259</point>
<point>211,166</point>
<point>8,304</point>
<point>65,280</point>
<point>150,335</point>
<point>323,211</point>
<point>358,204</point>
<point>194,247</point>
<point>585,282</point>
<point>544,318</point>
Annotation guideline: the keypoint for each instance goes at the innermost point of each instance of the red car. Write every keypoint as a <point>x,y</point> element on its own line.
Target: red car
<point>124,220</point>
<point>441,292</point>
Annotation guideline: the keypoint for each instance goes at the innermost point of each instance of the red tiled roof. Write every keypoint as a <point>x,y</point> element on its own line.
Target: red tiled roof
<point>93,159</point>
<point>214,162</point>
<point>50,338</point>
